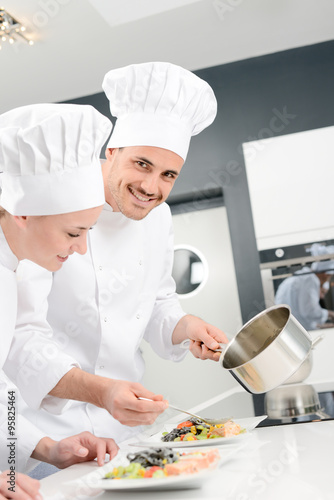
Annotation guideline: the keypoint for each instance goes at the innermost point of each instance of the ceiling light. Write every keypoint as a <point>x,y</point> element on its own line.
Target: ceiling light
<point>11,29</point>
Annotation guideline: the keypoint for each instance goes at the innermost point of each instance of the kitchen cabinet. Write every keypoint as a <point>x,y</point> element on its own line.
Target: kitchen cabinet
<point>290,181</point>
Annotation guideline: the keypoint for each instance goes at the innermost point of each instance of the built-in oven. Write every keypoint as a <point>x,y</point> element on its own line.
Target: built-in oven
<point>277,264</point>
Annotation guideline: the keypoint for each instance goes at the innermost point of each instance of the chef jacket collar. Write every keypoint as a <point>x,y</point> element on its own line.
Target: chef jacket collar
<point>108,207</point>
<point>7,258</point>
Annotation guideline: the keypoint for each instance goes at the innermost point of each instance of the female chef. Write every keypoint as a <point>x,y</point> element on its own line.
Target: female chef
<point>52,194</point>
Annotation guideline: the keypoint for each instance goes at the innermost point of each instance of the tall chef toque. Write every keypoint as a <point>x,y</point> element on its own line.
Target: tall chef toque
<point>158,104</point>
<point>49,156</point>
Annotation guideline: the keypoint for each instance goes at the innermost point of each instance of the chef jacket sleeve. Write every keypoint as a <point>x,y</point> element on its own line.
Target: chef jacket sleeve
<point>167,310</point>
<point>33,347</point>
<point>18,437</point>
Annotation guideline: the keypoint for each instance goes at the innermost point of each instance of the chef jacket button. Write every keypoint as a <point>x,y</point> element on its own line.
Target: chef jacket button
<point>101,367</point>
<point>138,316</point>
<point>105,320</point>
<point>140,262</point>
<point>100,267</point>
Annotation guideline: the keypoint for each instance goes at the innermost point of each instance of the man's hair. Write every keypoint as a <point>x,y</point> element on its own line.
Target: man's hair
<point>2,212</point>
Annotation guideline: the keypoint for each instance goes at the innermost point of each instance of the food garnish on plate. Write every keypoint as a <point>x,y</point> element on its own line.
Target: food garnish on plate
<point>195,429</point>
<point>164,462</point>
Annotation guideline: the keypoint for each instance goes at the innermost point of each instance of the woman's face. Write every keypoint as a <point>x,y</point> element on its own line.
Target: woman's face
<point>50,240</point>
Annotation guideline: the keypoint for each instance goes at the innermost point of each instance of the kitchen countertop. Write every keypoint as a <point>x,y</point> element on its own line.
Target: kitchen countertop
<point>290,462</point>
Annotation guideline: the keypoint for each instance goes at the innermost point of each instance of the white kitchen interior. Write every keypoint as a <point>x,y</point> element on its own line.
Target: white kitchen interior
<point>248,187</point>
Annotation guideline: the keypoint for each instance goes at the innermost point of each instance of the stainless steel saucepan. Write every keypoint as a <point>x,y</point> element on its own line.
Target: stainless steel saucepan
<point>267,350</point>
<point>293,400</point>
<point>305,368</point>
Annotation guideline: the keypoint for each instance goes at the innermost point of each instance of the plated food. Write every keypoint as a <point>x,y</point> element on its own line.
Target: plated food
<point>181,469</point>
<point>196,429</point>
<point>246,426</point>
<point>163,463</point>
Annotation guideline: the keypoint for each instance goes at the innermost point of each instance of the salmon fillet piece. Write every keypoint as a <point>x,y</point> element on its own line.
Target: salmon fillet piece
<point>192,463</point>
<point>227,430</point>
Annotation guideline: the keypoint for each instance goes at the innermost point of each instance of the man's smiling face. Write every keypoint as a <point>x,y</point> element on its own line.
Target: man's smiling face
<point>139,178</point>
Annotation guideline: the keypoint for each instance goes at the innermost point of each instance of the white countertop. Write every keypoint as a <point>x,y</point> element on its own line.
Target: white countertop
<point>290,462</point>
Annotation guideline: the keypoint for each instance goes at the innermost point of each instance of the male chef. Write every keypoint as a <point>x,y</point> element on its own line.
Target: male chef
<point>101,305</point>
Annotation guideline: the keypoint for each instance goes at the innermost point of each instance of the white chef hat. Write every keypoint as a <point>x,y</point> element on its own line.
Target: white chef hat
<point>49,156</point>
<point>324,266</point>
<point>158,104</point>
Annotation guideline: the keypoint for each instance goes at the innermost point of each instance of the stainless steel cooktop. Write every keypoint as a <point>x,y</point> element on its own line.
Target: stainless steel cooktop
<point>240,404</point>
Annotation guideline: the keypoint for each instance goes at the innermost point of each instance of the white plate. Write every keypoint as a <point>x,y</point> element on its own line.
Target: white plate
<point>155,441</point>
<point>94,480</point>
<point>185,481</point>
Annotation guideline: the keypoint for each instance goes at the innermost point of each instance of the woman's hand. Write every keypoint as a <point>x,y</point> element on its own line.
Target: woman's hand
<point>18,486</point>
<point>82,447</point>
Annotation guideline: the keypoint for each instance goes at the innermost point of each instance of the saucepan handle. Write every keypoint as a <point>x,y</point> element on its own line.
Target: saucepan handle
<point>186,343</point>
<point>316,340</point>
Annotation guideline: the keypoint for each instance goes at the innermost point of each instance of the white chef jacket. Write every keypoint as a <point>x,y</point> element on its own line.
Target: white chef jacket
<point>100,307</point>
<point>302,294</point>
<point>26,436</point>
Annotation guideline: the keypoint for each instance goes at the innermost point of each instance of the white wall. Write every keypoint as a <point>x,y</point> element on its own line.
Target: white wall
<point>193,381</point>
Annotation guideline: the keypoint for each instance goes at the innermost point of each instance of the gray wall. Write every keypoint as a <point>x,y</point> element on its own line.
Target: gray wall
<point>262,97</point>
